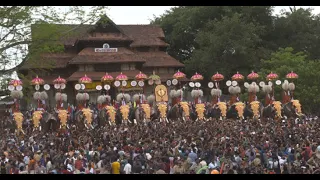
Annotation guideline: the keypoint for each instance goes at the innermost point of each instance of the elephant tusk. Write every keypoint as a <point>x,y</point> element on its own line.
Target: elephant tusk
<point>184,119</point>
<point>220,118</point>
<point>135,121</point>
<point>160,119</point>
<point>129,121</point>
<point>109,123</point>
<point>40,128</point>
<point>197,119</point>
<point>86,126</point>
<point>67,126</point>
<point>167,120</point>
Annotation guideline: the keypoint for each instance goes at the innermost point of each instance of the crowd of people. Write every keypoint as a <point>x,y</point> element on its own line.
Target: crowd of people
<point>264,146</point>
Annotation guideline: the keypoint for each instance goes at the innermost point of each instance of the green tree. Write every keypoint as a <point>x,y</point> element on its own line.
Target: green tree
<point>182,24</point>
<point>300,29</point>
<point>18,44</point>
<point>307,89</point>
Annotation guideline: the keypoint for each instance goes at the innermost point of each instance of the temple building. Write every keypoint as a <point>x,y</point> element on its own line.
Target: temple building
<point>93,50</point>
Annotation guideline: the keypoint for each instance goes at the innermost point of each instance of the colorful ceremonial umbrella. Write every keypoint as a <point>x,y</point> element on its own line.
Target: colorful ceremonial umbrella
<point>179,75</point>
<point>292,75</point>
<point>37,81</point>
<point>15,82</point>
<point>121,77</point>
<point>107,78</point>
<point>141,76</point>
<point>197,77</point>
<point>154,77</point>
<point>253,76</point>
<point>85,80</point>
<point>217,77</point>
<point>237,77</point>
<point>272,76</point>
<point>59,80</point>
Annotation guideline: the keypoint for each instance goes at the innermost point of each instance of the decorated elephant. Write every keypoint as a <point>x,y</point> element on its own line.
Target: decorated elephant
<point>103,116</point>
<point>218,109</point>
<point>253,107</point>
<point>83,116</point>
<point>176,111</point>
<point>61,113</point>
<point>143,110</point>
<point>268,111</point>
<point>125,113</point>
<point>236,108</point>
<point>18,118</point>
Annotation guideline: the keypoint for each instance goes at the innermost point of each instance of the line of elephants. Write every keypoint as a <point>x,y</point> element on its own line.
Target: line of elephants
<point>181,111</point>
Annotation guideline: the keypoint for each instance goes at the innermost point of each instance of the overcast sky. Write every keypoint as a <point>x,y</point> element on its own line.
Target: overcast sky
<point>143,14</point>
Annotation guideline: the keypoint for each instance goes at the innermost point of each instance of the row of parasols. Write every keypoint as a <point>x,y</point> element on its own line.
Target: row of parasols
<point>239,77</point>
<point>141,77</point>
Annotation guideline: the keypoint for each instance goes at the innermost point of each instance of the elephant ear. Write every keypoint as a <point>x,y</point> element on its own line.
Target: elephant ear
<point>136,97</point>
<point>14,94</point>
<point>43,95</point>
<point>119,97</point>
<point>151,99</point>
<point>58,96</point>
<point>194,93</point>
<point>179,93</point>
<point>127,97</point>
<point>213,92</point>
<point>79,97</point>
<point>86,96</point>
<point>64,97</point>
<point>237,90</point>
<point>108,97</point>
<point>200,92</point>
<point>231,90</point>
<point>173,93</point>
<point>291,86</point>
<point>36,95</point>
<point>285,85</point>
<point>101,99</point>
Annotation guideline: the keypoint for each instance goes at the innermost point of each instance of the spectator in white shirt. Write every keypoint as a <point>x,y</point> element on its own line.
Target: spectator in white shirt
<point>127,168</point>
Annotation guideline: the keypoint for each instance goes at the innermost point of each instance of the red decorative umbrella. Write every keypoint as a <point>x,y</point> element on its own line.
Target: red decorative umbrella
<point>121,77</point>
<point>59,80</point>
<point>237,77</point>
<point>253,76</point>
<point>85,79</point>
<point>217,77</point>
<point>292,75</point>
<point>179,75</point>
<point>107,78</point>
<point>37,81</point>
<point>272,76</point>
<point>197,77</point>
<point>141,76</point>
<point>15,82</point>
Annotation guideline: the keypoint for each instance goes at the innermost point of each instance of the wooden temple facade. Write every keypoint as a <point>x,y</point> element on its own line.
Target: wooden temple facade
<point>130,49</point>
